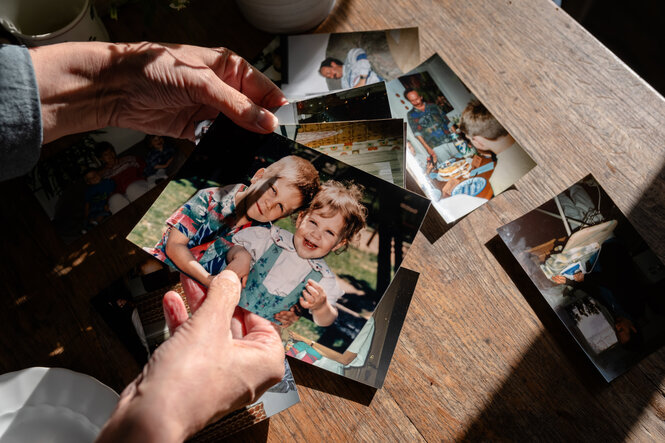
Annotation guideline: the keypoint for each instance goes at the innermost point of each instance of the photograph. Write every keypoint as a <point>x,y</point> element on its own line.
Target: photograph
<point>365,103</point>
<point>373,146</point>
<point>315,241</point>
<point>368,357</point>
<point>269,62</point>
<point>596,272</point>
<point>457,151</point>
<point>82,184</point>
<point>319,63</point>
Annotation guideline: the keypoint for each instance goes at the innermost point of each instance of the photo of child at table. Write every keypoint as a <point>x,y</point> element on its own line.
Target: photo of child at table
<point>281,269</point>
<point>489,136</point>
<point>199,233</point>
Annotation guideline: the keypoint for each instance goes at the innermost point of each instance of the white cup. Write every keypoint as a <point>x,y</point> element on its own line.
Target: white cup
<point>44,22</point>
<point>285,16</point>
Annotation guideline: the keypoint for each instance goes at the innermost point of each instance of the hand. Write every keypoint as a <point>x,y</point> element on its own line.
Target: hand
<point>578,277</point>
<point>434,159</point>
<point>313,297</point>
<point>214,363</point>
<point>154,88</point>
<point>559,279</point>
<point>287,318</point>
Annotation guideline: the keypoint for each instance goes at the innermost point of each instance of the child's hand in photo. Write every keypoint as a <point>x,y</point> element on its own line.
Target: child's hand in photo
<point>313,297</point>
<point>239,261</point>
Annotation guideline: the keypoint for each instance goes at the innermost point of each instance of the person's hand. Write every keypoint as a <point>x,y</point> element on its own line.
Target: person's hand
<point>287,318</point>
<point>313,297</point>
<point>578,277</point>
<point>154,88</point>
<point>434,158</point>
<point>214,363</point>
<point>559,279</point>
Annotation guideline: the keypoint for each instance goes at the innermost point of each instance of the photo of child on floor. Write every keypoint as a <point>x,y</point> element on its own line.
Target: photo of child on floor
<point>310,237</point>
<point>457,152</point>
<point>374,146</point>
<point>596,272</point>
<point>319,63</point>
<point>82,185</point>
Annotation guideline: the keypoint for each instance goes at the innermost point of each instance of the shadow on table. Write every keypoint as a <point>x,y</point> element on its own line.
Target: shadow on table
<point>598,411</point>
<point>325,381</point>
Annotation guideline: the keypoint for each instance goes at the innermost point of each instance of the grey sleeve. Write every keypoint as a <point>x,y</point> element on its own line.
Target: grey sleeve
<point>20,113</point>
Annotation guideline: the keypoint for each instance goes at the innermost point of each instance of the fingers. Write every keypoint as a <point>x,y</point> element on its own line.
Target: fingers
<point>175,311</point>
<point>238,323</point>
<point>194,292</point>
<point>237,106</point>
<point>261,330</point>
<point>239,74</point>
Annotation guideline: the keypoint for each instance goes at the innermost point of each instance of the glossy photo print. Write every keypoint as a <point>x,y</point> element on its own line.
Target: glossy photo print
<point>457,152</point>
<point>364,103</point>
<point>319,63</point>
<point>84,184</point>
<point>316,241</point>
<point>596,272</point>
<point>374,146</point>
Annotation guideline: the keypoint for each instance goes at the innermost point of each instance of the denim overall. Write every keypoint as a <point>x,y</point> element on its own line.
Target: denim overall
<point>256,298</point>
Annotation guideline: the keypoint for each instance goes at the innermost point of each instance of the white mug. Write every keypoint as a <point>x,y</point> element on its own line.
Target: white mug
<point>285,16</point>
<point>44,22</point>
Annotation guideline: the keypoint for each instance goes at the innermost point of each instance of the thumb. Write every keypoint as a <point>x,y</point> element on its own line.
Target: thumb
<point>238,107</point>
<point>223,296</point>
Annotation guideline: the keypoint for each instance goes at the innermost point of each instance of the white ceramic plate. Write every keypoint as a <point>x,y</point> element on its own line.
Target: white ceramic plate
<point>52,405</point>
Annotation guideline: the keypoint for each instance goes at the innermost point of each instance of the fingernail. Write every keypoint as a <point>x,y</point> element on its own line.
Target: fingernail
<point>266,121</point>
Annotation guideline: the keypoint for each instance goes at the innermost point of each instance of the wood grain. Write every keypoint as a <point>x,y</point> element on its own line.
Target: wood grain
<point>479,358</point>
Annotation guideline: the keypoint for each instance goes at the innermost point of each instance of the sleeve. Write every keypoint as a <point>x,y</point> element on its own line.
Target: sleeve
<point>256,240</point>
<point>361,66</point>
<point>20,112</point>
<point>189,217</point>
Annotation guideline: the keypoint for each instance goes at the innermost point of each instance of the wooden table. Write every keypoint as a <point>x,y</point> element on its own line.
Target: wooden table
<point>480,357</point>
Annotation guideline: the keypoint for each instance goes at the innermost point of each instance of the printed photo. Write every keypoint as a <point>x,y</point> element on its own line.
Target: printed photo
<point>596,272</point>
<point>269,62</point>
<point>81,185</point>
<point>457,152</point>
<point>373,146</point>
<point>368,357</point>
<point>315,241</point>
<point>319,63</point>
<point>365,103</point>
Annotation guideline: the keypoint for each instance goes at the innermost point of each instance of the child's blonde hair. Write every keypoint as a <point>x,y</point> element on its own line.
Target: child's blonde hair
<point>299,173</point>
<point>343,198</point>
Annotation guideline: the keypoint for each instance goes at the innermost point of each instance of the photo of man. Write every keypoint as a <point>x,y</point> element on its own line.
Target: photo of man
<point>319,63</point>
<point>457,151</point>
<point>355,71</point>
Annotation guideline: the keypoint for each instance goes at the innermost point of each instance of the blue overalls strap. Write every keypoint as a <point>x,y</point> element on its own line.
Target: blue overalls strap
<point>256,298</point>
